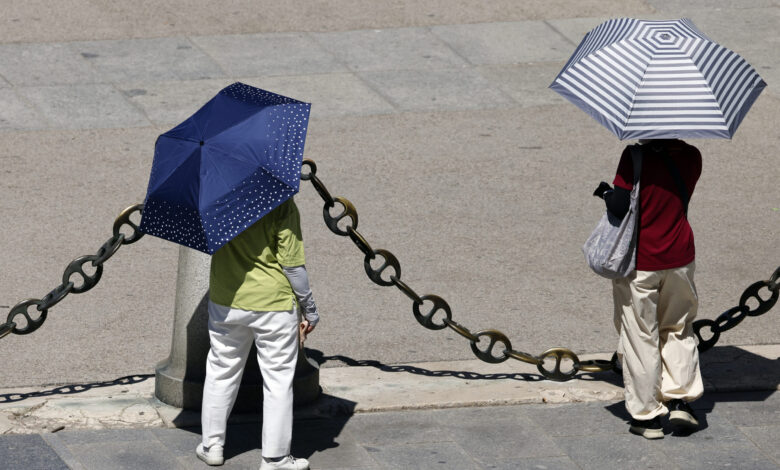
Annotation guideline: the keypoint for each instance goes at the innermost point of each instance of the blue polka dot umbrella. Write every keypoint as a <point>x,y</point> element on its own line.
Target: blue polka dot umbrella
<point>220,171</point>
<point>659,79</point>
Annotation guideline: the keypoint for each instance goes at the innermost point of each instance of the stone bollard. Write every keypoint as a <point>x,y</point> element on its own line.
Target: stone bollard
<point>179,378</point>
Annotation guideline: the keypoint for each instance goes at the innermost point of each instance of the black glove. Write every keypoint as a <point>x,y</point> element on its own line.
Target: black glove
<point>603,187</point>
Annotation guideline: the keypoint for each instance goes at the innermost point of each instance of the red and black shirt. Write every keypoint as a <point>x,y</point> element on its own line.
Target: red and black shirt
<point>665,237</point>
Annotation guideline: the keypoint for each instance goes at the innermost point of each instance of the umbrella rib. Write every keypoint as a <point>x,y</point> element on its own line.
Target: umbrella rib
<point>176,137</point>
<point>633,108</point>
<point>219,171</point>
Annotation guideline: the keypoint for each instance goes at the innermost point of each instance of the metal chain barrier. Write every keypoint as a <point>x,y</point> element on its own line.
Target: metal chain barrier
<point>433,312</point>
<point>20,321</point>
<point>734,316</point>
<point>552,364</point>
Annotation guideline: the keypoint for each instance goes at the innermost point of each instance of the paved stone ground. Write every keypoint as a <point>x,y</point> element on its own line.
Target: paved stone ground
<point>739,430</point>
<point>434,120</point>
<point>459,414</point>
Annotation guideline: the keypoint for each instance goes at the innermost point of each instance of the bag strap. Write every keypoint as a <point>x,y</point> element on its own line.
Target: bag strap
<point>678,180</point>
<point>636,160</point>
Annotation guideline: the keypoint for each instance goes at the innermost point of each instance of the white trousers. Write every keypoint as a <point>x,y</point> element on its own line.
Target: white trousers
<point>654,312</point>
<point>275,335</point>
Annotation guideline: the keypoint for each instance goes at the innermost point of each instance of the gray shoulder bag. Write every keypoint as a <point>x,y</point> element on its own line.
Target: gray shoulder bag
<point>611,248</point>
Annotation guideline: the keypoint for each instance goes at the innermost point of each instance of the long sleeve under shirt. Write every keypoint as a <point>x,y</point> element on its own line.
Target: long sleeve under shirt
<point>299,281</point>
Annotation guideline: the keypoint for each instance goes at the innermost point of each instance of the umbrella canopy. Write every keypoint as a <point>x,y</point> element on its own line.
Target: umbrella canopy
<point>659,79</point>
<point>225,167</point>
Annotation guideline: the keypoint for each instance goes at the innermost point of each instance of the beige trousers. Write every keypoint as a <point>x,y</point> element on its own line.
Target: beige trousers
<point>654,312</point>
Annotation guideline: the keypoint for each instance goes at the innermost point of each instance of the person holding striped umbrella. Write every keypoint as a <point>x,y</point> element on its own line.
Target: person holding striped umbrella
<point>658,82</point>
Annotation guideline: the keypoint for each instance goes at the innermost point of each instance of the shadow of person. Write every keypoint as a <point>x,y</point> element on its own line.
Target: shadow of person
<point>316,428</point>
<point>317,435</point>
<point>609,376</point>
<point>737,369</point>
<point>618,409</point>
<point>730,374</point>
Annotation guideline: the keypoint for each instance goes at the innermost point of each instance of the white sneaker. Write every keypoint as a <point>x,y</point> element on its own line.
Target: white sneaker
<point>211,455</point>
<point>287,463</point>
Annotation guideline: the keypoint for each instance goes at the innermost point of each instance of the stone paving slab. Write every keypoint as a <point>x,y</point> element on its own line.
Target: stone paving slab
<point>69,20</point>
<point>437,90</point>
<point>84,106</point>
<point>675,5</point>
<point>332,95</point>
<point>737,28</point>
<point>524,82</point>
<point>268,54</point>
<point>308,61</point>
<point>390,49</point>
<point>39,64</point>
<point>27,452</point>
<point>62,451</point>
<point>157,59</point>
<point>17,114</point>
<point>168,103</point>
<point>497,43</point>
<point>766,437</point>
<point>613,452</point>
<point>424,455</point>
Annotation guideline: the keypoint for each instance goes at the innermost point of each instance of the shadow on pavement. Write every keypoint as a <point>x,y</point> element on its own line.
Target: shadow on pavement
<point>315,427</point>
<point>320,358</point>
<point>309,436</point>
<point>731,375</point>
<point>72,389</point>
<point>733,369</point>
<point>725,369</point>
<point>316,435</point>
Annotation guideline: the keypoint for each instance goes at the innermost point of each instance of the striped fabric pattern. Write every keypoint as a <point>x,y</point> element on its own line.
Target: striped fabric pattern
<point>659,79</point>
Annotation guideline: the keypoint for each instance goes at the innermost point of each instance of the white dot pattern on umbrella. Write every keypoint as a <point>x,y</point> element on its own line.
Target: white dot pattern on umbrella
<point>659,79</point>
<point>174,222</point>
<point>245,205</point>
<point>250,168</point>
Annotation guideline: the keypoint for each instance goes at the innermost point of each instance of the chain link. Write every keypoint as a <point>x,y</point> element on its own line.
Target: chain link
<point>333,222</point>
<point>21,322</point>
<point>558,373</point>
<point>493,346</point>
<point>375,274</point>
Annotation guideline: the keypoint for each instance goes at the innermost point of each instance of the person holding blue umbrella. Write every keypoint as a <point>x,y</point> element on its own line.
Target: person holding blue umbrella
<point>222,183</point>
<point>255,281</point>
<point>658,82</point>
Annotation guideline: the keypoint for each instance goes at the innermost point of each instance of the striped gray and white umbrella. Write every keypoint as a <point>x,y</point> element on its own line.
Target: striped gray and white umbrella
<point>659,79</point>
